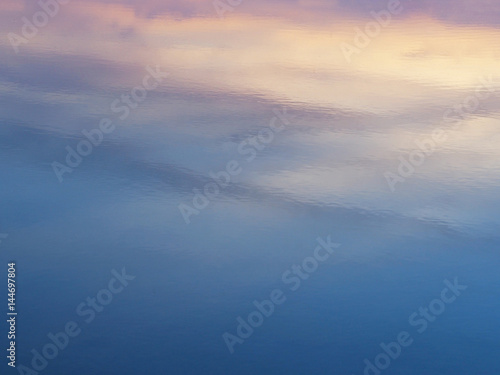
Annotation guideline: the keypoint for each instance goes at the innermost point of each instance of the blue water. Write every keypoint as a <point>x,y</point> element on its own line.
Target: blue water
<point>304,139</point>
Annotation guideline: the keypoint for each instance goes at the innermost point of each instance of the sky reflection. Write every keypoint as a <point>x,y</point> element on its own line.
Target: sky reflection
<point>350,123</point>
<point>366,113</point>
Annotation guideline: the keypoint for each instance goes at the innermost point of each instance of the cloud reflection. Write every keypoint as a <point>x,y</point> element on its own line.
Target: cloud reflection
<point>276,52</point>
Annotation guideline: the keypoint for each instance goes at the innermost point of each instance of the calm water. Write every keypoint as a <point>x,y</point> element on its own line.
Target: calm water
<point>381,136</point>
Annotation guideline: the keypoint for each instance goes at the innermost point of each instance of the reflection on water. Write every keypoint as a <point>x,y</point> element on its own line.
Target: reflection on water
<point>392,152</point>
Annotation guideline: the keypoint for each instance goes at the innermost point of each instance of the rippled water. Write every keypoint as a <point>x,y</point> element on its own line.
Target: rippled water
<point>371,123</point>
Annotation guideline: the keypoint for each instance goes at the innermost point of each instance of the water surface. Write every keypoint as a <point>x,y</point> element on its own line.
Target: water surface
<point>346,123</point>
